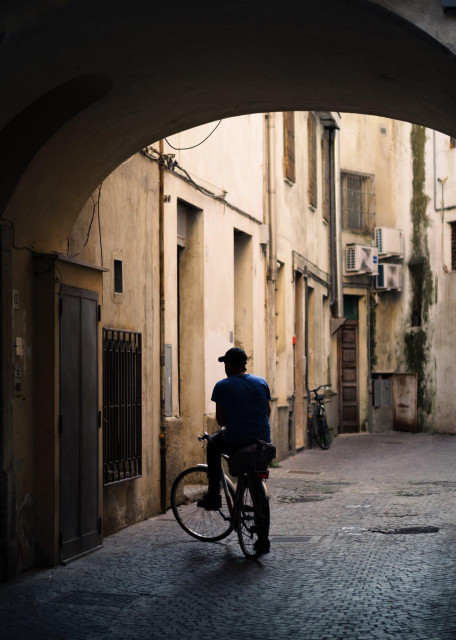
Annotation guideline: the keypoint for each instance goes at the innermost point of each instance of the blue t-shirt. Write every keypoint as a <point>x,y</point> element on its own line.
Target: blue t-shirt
<point>244,399</point>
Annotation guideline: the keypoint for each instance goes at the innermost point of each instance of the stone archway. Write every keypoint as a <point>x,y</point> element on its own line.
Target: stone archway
<point>83,89</point>
<point>116,80</point>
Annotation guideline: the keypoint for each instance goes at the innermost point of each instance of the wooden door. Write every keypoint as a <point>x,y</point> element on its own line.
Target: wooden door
<point>348,377</point>
<point>79,524</point>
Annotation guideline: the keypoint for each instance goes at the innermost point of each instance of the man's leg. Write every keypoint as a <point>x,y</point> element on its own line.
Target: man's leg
<point>214,452</point>
<point>215,448</point>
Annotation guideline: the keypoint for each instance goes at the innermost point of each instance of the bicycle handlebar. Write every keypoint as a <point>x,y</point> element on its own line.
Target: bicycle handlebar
<point>204,437</point>
<point>318,388</point>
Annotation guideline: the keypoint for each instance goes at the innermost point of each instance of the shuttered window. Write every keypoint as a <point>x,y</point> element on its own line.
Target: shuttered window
<point>326,182</point>
<point>289,145</point>
<point>312,158</point>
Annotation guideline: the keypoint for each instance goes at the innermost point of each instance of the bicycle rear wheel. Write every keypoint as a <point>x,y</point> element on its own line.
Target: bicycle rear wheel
<point>209,526</point>
<point>321,431</point>
<point>252,516</point>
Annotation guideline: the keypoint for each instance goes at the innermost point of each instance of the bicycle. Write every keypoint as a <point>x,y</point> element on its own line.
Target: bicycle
<point>317,425</point>
<point>245,508</point>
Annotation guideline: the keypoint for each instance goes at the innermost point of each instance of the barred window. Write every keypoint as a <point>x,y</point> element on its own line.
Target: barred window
<point>453,246</point>
<point>312,159</point>
<point>122,409</point>
<point>358,201</point>
<point>289,145</point>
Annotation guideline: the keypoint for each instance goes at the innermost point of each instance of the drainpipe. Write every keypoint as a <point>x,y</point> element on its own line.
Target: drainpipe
<point>336,297</point>
<point>272,275</point>
<point>306,336</point>
<point>271,278</point>
<point>161,233</point>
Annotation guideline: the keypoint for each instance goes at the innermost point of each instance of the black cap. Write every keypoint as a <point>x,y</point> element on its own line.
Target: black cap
<point>234,355</point>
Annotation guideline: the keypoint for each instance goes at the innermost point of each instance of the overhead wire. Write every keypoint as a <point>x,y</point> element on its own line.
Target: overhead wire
<point>195,145</point>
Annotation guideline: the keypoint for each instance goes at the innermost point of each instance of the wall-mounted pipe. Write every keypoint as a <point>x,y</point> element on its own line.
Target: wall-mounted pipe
<point>161,233</point>
<point>336,288</point>
<point>271,188</point>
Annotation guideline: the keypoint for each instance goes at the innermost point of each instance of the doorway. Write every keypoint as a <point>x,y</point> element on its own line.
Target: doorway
<point>348,377</point>
<point>80,528</point>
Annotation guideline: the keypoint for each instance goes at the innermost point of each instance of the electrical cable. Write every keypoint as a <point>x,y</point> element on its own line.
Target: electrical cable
<point>96,204</point>
<point>195,145</point>
<point>99,229</point>
<point>13,243</point>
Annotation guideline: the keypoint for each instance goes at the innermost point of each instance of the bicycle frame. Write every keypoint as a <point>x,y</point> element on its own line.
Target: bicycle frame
<point>244,508</point>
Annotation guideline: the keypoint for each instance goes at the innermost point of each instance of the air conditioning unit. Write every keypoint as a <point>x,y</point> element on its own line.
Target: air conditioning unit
<point>361,259</point>
<point>389,242</point>
<point>389,277</point>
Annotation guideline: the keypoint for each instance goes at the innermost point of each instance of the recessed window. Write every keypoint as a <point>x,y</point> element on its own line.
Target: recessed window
<point>417,286</point>
<point>358,201</point>
<point>122,409</point>
<point>452,142</point>
<point>453,246</point>
<point>118,277</point>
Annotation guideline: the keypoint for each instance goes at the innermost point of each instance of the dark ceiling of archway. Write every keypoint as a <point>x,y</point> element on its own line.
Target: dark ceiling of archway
<point>176,65</point>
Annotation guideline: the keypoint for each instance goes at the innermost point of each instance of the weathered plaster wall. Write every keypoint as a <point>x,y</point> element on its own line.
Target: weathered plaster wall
<point>128,209</point>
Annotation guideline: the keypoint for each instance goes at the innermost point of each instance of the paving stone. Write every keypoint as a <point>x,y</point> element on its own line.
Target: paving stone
<point>329,574</point>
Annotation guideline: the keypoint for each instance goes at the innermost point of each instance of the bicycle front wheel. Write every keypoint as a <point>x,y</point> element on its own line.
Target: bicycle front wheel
<point>321,431</point>
<point>252,516</point>
<point>209,526</point>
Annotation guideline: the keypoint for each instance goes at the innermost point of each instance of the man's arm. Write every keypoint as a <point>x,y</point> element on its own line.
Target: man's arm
<point>269,409</point>
<point>219,415</point>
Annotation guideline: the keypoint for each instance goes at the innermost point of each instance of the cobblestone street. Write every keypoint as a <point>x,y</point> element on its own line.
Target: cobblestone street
<point>363,548</point>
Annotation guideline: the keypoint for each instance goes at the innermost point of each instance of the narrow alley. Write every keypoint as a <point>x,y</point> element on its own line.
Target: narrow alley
<point>363,547</point>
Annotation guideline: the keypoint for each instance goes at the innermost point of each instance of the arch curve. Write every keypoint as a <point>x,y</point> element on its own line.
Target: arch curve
<point>176,66</point>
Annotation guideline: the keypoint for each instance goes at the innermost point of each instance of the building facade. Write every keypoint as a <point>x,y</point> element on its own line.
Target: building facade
<point>323,245</point>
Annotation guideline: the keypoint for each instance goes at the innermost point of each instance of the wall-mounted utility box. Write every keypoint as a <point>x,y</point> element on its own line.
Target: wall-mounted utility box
<point>389,242</point>
<point>389,277</point>
<point>361,260</point>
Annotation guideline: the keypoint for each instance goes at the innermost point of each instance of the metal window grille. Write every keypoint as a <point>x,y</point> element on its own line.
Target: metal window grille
<point>122,408</point>
<point>453,246</point>
<point>358,201</point>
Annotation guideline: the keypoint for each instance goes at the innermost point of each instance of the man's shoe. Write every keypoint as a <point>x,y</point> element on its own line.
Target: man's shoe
<point>262,546</point>
<point>210,502</point>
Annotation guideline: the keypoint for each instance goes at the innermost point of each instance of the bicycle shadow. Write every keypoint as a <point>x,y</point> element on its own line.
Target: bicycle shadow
<point>225,560</point>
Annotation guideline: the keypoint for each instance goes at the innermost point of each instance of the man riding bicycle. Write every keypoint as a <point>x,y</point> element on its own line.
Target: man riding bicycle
<point>243,409</point>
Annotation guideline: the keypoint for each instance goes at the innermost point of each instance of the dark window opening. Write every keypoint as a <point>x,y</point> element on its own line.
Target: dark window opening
<point>358,201</point>
<point>118,278</point>
<point>417,282</point>
<point>351,307</point>
<point>453,246</point>
<point>122,407</point>
<point>289,145</point>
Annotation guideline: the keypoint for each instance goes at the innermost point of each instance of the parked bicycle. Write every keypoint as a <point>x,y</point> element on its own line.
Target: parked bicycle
<point>245,507</point>
<point>317,425</point>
